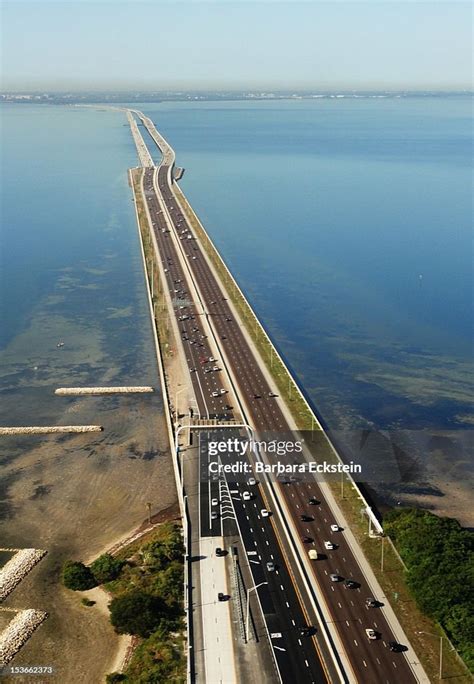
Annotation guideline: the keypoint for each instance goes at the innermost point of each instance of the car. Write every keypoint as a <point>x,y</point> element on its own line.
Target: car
<point>228,407</point>
<point>222,391</point>
<point>211,358</point>
<point>264,513</point>
<point>221,596</point>
<point>371,634</point>
<point>306,518</point>
<point>395,647</point>
<point>271,566</point>
<point>257,396</point>
<point>313,501</point>
<point>351,584</point>
<point>246,496</point>
<point>213,515</point>
<point>228,320</point>
<point>334,577</point>
<point>371,603</point>
<point>213,394</point>
<point>219,551</point>
<point>307,540</point>
<point>215,368</point>
<point>306,630</point>
<point>214,502</point>
<point>272,394</point>
<point>329,545</point>
<point>251,481</point>
<point>334,528</point>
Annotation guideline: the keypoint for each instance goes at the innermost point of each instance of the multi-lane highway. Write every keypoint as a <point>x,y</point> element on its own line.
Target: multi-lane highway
<point>200,300</point>
<point>297,656</point>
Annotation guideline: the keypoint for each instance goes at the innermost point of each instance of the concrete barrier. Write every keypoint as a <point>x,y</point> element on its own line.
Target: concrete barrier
<point>79,391</point>
<point>18,631</point>
<point>47,430</point>
<point>17,568</point>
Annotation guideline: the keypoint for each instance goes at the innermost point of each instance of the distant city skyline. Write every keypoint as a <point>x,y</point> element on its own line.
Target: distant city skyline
<point>265,45</point>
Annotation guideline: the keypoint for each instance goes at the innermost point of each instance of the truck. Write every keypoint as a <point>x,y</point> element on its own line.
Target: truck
<point>313,554</point>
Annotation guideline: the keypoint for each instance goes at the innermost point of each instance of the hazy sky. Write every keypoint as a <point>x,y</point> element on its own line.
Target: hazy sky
<point>226,44</point>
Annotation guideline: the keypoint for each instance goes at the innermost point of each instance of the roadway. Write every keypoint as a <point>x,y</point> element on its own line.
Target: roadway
<point>370,661</point>
<point>206,381</point>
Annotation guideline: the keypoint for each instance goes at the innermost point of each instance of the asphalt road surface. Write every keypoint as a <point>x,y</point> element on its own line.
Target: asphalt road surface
<point>371,661</point>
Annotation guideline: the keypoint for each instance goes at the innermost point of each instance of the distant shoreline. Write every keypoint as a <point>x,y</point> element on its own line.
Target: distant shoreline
<point>101,98</point>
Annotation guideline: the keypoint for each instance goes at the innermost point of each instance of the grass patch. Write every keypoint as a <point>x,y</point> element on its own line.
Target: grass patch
<point>151,580</point>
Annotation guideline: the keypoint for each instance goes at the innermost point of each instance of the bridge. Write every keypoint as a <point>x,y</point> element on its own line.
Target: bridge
<point>314,627</point>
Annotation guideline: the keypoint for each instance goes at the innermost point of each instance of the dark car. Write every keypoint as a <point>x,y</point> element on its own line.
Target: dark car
<point>371,603</point>
<point>220,552</point>
<point>313,501</point>
<point>395,647</point>
<point>306,518</point>
<point>257,396</point>
<point>306,630</point>
<point>307,540</point>
<point>351,584</point>
<point>221,596</point>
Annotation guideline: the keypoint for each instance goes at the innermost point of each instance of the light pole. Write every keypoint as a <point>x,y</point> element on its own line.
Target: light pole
<point>248,608</point>
<point>437,636</point>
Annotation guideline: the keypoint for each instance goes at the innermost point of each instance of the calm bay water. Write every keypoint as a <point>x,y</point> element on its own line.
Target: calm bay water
<point>71,268</point>
<point>347,224</point>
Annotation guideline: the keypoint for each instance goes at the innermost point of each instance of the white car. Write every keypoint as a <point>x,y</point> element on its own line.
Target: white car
<point>213,515</point>
<point>222,391</point>
<point>211,358</point>
<point>251,481</point>
<point>214,502</point>
<point>371,634</point>
<point>334,528</point>
<point>246,496</point>
<point>329,545</point>
<point>214,394</point>
<point>264,513</point>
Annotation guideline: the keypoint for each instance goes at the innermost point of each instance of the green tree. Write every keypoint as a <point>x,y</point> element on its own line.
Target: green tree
<point>115,677</point>
<point>137,612</point>
<point>77,576</point>
<point>439,555</point>
<point>106,568</point>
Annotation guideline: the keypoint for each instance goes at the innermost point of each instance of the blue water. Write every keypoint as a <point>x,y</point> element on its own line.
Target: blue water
<point>348,225</point>
<point>328,212</point>
<point>71,268</point>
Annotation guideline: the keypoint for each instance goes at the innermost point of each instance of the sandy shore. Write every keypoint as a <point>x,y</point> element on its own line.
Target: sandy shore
<point>77,496</point>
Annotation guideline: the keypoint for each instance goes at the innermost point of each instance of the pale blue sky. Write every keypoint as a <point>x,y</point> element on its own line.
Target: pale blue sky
<point>226,44</point>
